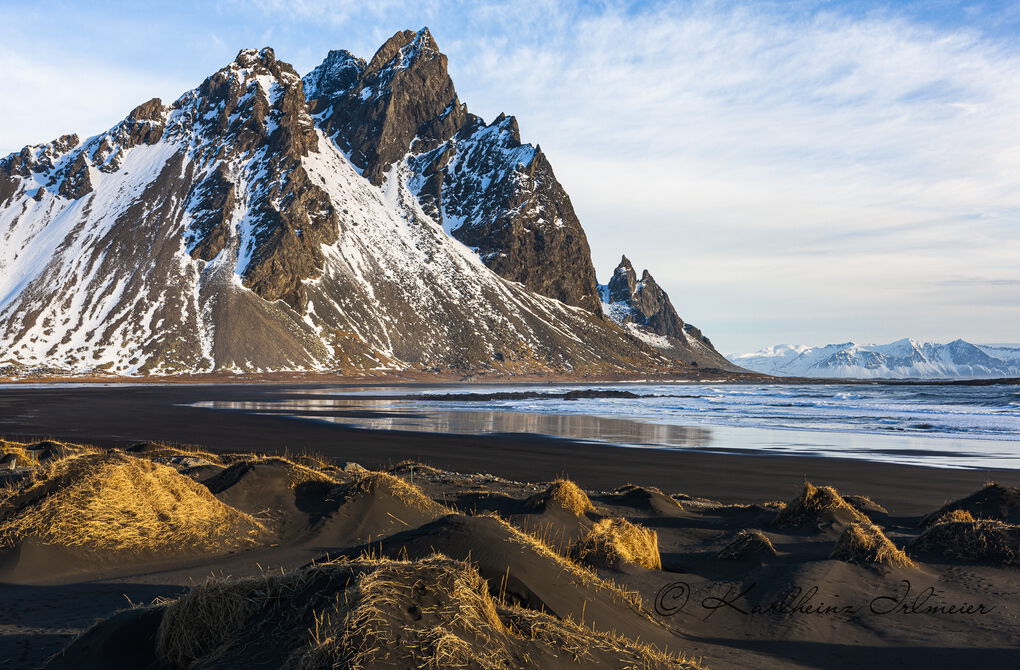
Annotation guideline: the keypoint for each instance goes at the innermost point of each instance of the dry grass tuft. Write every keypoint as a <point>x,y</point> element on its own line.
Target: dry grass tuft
<point>166,453</point>
<point>380,482</point>
<point>582,574</point>
<point>994,501</point>
<point>818,504</point>
<point>953,516</point>
<point>414,469</point>
<point>747,545</point>
<point>26,454</point>
<point>196,625</point>
<point>866,543</point>
<point>985,541</point>
<point>102,503</point>
<point>22,459</point>
<point>295,473</point>
<point>581,643</point>
<point>565,494</point>
<point>355,614</point>
<point>613,542</point>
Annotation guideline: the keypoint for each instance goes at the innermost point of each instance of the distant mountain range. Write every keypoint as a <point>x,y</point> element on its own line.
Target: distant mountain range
<point>353,220</point>
<point>903,359</point>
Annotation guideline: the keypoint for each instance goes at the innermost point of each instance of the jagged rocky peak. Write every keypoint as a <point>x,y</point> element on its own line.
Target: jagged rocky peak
<point>255,109</point>
<point>477,179</point>
<point>336,75</point>
<point>647,304</point>
<point>375,112</point>
<point>256,101</point>
<point>643,307</point>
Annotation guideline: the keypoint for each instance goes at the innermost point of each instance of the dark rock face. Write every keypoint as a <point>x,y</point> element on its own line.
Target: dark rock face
<point>643,303</point>
<point>211,204</point>
<point>289,217</point>
<point>376,111</point>
<point>293,218</point>
<point>488,189</point>
<point>76,182</point>
<point>649,305</point>
<point>501,197</point>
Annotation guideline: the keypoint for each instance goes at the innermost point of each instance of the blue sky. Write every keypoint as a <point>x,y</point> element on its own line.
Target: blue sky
<point>795,171</point>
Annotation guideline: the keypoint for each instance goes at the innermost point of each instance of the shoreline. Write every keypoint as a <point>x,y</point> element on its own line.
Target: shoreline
<point>704,376</point>
<point>119,416</point>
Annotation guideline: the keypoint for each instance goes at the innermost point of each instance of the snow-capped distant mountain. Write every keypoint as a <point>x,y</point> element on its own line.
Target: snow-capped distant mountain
<point>903,359</point>
<point>356,219</point>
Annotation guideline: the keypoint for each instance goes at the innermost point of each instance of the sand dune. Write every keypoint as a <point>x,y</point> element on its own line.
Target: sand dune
<point>271,562</point>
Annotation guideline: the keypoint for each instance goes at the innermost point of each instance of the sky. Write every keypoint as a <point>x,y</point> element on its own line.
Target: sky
<point>797,171</point>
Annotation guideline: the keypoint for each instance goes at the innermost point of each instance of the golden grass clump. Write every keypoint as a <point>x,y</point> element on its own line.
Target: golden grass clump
<point>748,544</point>
<point>565,494</point>
<point>583,574</point>
<point>994,501</point>
<point>415,468</point>
<point>866,543</point>
<point>165,453</point>
<point>355,614</point>
<point>818,504</point>
<point>954,516</point>
<point>22,459</point>
<point>613,542</point>
<point>985,541</point>
<point>26,454</point>
<point>114,503</point>
<point>196,625</point>
<point>409,494</point>
<point>295,473</point>
<point>582,644</point>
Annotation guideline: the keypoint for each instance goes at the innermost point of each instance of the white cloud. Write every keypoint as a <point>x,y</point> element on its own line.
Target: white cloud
<point>70,94</point>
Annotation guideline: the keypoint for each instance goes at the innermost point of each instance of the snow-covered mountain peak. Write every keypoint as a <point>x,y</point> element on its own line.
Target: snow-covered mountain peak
<point>265,222</point>
<point>902,359</point>
<point>335,75</point>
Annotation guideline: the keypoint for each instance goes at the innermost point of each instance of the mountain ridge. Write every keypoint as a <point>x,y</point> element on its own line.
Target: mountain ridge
<point>250,227</point>
<point>903,359</point>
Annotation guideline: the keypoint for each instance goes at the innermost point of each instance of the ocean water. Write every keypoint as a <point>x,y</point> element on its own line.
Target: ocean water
<point>932,425</point>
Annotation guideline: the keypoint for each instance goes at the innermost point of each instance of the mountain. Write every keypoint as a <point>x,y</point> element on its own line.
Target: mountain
<point>353,220</point>
<point>644,309</point>
<point>902,359</point>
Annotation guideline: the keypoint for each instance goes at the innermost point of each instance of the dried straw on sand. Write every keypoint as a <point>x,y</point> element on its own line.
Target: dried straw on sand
<point>108,504</point>
<point>431,613</point>
<point>562,493</point>
<point>985,541</point>
<point>866,543</point>
<point>749,544</point>
<point>994,501</point>
<point>816,505</point>
<point>612,543</point>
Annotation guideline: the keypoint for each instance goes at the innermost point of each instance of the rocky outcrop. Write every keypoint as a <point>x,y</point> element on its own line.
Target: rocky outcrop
<point>649,305</point>
<point>75,182</point>
<point>403,96</point>
<point>255,108</point>
<point>643,307</point>
<point>487,189</point>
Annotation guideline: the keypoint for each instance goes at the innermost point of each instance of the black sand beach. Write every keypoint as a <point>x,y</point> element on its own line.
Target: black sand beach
<point>122,415</point>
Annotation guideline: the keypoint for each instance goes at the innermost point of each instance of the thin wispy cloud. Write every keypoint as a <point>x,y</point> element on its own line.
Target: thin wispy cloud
<point>789,171</point>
